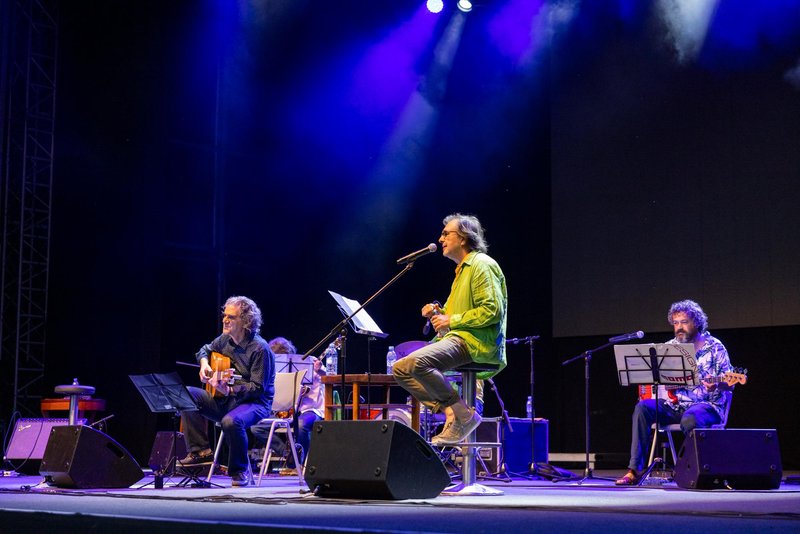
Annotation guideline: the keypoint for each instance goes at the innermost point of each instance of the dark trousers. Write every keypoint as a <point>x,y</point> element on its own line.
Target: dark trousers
<point>700,415</point>
<point>234,418</point>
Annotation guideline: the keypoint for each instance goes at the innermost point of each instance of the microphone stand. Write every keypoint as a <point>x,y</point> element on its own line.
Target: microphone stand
<point>529,340</point>
<point>587,358</point>
<point>341,328</point>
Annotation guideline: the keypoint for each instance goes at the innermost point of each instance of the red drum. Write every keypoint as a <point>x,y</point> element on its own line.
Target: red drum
<point>404,349</point>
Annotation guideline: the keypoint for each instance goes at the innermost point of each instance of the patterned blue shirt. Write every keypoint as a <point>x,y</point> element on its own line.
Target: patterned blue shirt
<point>712,361</point>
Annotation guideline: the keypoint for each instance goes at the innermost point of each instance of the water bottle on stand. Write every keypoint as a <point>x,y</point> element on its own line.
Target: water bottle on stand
<point>331,360</point>
<point>391,357</point>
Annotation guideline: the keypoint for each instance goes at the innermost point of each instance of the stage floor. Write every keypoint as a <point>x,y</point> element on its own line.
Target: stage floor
<point>29,505</point>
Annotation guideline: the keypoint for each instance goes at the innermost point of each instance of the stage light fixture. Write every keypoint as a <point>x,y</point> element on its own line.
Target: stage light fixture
<point>464,5</point>
<point>435,6</point>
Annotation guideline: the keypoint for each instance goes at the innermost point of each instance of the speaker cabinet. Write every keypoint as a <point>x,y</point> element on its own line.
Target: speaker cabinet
<point>737,458</point>
<point>28,443</point>
<point>162,452</point>
<point>81,457</point>
<point>372,460</point>
<point>517,444</point>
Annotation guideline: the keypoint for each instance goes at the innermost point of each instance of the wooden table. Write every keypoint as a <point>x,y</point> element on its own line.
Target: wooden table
<point>357,381</point>
<point>89,407</point>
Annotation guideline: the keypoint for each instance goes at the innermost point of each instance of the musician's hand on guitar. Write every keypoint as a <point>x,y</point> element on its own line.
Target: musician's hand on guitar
<point>710,386</point>
<point>223,387</point>
<point>205,371</point>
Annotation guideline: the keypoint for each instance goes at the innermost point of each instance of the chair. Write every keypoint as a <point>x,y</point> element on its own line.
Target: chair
<point>287,395</point>
<point>468,485</point>
<point>669,429</point>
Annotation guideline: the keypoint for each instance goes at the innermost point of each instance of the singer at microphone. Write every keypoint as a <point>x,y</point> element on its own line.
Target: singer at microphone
<point>626,337</point>
<point>414,256</point>
<point>472,327</point>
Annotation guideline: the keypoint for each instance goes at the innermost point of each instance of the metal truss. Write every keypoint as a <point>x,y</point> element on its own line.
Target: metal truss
<point>28,113</point>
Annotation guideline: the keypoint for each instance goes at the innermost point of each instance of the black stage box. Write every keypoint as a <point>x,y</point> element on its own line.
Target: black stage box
<point>372,460</point>
<point>737,458</point>
<point>517,444</point>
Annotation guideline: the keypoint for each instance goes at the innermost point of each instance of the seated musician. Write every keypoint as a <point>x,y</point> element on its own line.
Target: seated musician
<point>693,407</point>
<point>472,324</point>
<point>310,405</point>
<point>236,406</point>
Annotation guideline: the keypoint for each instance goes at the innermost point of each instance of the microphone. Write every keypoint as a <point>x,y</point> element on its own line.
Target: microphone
<point>416,255</point>
<point>626,337</point>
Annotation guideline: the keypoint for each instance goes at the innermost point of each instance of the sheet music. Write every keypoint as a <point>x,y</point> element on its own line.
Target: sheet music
<point>362,322</point>
<point>676,364</point>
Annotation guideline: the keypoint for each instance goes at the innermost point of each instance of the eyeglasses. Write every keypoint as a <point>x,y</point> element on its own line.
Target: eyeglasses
<point>446,233</point>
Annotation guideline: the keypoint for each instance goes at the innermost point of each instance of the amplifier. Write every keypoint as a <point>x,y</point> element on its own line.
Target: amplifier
<point>28,443</point>
<point>517,444</point>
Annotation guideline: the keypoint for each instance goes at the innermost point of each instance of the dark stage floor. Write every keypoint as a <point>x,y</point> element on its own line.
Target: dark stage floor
<point>28,505</point>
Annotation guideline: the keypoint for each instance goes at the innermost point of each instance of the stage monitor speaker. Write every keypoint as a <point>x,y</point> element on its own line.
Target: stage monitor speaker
<point>162,453</point>
<point>729,458</point>
<point>79,456</point>
<point>372,460</point>
<point>28,443</point>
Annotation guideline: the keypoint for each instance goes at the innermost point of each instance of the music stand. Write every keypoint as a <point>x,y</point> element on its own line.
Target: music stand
<point>362,323</point>
<point>165,393</point>
<point>290,363</point>
<point>656,364</point>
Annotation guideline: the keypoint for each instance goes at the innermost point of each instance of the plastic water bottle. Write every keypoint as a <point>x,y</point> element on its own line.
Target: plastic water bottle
<point>391,357</point>
<point>331,360</point>
<point>529,407</point>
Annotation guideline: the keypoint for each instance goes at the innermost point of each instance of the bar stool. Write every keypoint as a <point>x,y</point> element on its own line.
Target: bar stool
<point>468,485</point>
<point>74,391</point>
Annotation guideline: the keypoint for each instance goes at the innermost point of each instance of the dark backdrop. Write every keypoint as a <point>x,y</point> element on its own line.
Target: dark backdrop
<point>281,149</point>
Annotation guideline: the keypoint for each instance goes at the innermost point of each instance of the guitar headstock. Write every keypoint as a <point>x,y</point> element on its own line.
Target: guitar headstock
<point>737,376</point>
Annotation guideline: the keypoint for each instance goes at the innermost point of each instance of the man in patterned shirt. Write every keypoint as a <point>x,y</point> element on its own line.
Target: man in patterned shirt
<point>697,407</point>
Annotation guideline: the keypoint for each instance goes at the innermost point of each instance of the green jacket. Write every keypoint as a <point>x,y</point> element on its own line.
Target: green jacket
<point>477,307</point>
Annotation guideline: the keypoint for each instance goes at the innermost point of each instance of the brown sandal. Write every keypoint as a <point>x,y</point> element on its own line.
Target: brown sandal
<point>628,479</point>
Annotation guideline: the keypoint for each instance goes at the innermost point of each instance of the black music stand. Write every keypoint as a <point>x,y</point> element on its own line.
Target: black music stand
<point>658,364</point>
<point>165,393</point>
<point>362,323</point>
<point>290,363</point>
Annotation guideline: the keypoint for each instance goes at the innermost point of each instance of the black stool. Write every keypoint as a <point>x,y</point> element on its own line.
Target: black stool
<point>468,485</point>
<point>74,391</point>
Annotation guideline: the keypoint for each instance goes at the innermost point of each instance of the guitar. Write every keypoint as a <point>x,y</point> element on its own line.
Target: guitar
<point>221,372</point>
<point>731,378</point>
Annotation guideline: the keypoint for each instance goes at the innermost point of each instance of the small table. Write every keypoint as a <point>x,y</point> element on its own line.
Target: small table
<point>359,380</point>
<point>89,407</point>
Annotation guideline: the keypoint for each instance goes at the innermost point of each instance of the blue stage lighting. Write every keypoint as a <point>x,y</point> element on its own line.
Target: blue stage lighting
<point>464,5</point>
<point>435,6</point>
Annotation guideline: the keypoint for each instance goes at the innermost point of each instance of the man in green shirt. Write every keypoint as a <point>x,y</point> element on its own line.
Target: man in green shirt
<point>471,327</point>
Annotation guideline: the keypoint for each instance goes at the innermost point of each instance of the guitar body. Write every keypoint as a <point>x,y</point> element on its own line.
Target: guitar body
<point>739,376</point>
<point>664,392</point>
<point>221,366</point>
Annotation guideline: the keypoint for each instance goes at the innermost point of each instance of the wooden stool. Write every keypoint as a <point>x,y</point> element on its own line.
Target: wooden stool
<point>468,485</point>
<point>74,391</point>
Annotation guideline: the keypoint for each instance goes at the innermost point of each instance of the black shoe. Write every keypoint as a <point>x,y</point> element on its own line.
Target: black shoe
<point>241,479</point>
<point>198,457</point>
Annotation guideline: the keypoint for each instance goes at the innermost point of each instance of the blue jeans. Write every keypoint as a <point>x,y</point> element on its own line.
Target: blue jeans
<point>700,415</point>
<point>234,418</point>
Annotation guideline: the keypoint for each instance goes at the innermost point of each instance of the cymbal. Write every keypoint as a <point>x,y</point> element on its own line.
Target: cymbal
<point>404,349</point>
